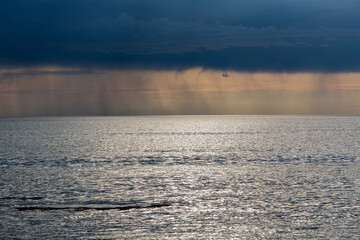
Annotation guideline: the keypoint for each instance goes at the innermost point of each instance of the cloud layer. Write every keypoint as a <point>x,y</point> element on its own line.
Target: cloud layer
<point>259,35</point>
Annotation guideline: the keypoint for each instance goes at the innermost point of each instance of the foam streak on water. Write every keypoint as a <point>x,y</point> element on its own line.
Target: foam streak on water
<point>180,177</point>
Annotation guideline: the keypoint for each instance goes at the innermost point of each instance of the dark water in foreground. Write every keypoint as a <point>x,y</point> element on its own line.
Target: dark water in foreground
<point>180,177</point>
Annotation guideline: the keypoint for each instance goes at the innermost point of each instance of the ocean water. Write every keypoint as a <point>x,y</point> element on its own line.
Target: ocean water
<point>180,177</point>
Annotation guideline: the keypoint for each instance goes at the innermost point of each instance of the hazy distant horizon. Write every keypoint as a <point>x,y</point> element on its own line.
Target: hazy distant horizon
<point>68,91</point>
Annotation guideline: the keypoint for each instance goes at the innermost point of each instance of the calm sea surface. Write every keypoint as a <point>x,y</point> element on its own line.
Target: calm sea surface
<point>180,177</point>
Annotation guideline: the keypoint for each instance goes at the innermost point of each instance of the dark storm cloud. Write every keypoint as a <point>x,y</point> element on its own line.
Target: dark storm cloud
<point>275,35</point>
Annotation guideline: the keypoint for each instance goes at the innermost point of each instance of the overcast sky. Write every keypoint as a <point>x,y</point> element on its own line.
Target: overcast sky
<point>250,35</point>
<point>125,44</point>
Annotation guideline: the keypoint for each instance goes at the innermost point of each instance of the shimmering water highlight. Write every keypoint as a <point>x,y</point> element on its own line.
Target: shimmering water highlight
<point>180,177</point>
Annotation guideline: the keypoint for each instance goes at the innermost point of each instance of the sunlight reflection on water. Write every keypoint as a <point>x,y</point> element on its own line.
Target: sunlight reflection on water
<point>184,177</point>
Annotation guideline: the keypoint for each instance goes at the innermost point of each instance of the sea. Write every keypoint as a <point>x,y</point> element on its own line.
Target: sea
<point>180,177</point>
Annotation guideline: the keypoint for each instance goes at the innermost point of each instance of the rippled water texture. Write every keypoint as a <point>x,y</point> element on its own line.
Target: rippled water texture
<point>180,177</point>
